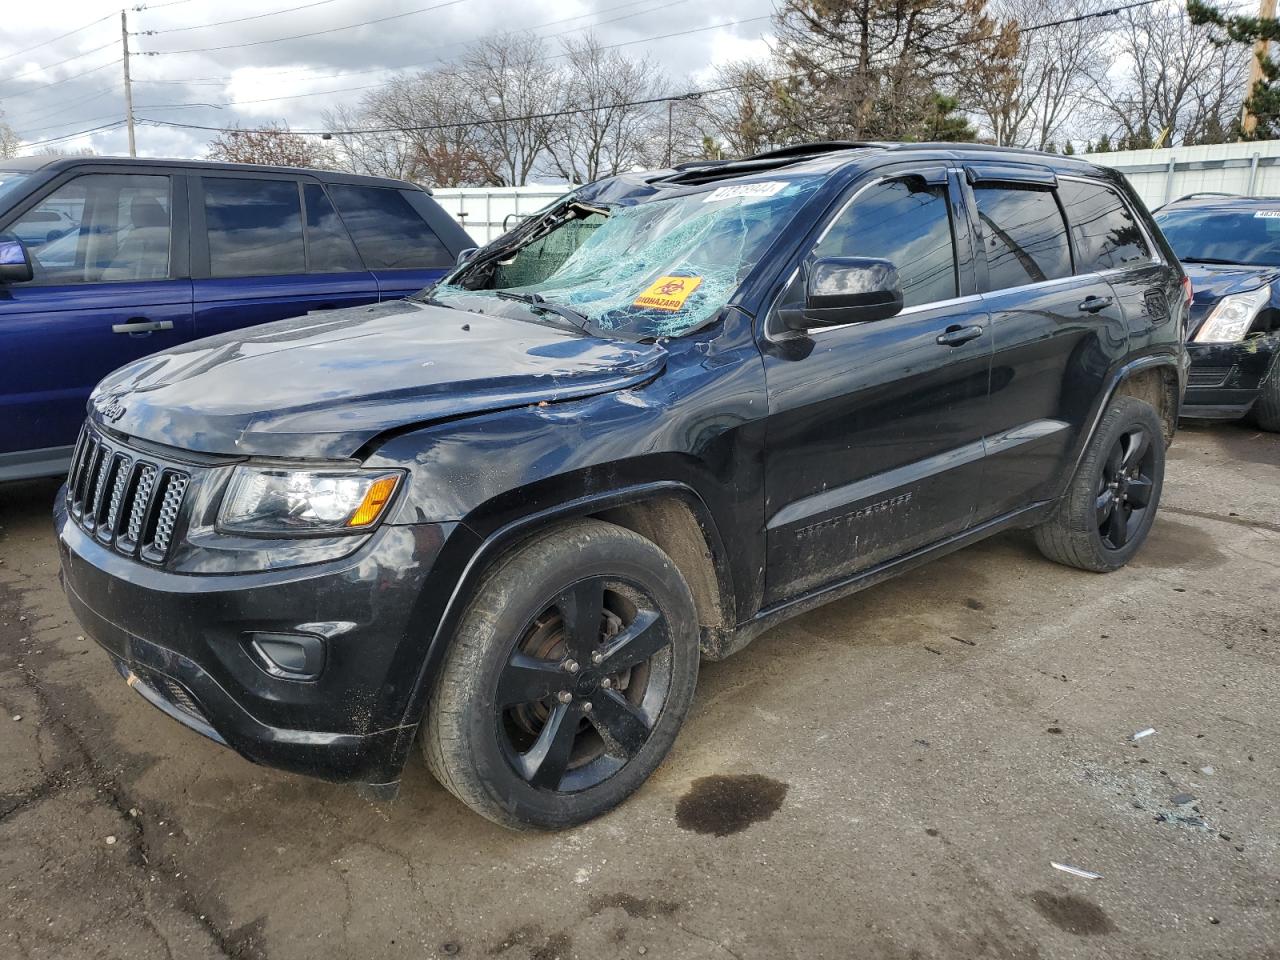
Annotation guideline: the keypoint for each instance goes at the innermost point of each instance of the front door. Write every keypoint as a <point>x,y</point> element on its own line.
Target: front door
<point>104,293</point>
<point>875,430</point>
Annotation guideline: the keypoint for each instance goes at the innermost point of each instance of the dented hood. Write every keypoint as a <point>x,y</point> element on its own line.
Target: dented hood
<point>323,385</point>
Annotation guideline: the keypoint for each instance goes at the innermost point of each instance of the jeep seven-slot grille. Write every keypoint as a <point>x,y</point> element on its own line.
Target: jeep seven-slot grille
<point>124,497</point>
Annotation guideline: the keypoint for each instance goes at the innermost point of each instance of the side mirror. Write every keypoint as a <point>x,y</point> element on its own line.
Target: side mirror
<point>467,254</point>
<point>15,262</point>
<point>848,290</point>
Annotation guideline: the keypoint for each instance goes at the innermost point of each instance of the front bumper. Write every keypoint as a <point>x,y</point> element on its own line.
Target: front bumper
<point>183,642</point>
<point>1225,378</point>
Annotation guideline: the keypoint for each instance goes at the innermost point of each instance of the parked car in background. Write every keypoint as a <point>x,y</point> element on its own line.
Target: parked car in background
<point>668,412</point>
<point>1230,248</point>
<point>106,260</point>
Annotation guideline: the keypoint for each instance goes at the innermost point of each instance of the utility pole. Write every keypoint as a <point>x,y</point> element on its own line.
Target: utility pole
<point>1266,11</point>
<point>128,87</point>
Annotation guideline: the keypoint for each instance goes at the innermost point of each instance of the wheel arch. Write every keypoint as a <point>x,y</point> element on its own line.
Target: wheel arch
<point>670,513</point>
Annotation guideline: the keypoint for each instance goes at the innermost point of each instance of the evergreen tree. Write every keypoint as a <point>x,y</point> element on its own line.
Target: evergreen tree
<point>1264,98</point>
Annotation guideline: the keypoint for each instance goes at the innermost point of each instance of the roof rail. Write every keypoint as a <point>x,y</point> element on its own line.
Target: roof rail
<point>1207,193</point>
<point>814,148</point>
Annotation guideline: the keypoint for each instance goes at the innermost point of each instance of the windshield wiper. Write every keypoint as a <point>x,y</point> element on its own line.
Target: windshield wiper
<point>540,304</point>
<point>1229,263</point>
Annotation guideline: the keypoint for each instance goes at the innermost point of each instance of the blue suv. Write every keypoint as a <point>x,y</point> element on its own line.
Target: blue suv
<point>1230,248</point>
<point>107,260</point>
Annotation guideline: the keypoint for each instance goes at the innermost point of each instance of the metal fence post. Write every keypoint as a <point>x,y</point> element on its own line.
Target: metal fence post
<point>1253,173</point>
<point>1168,181</point>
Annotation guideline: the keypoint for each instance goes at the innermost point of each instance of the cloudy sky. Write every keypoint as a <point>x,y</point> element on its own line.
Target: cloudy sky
<point>198,68</point>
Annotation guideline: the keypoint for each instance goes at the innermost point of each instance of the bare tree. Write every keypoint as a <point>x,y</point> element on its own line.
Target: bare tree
<point>516,90</point>
<point>612,132</point>
<point>10,143</point>
<point>272,143</point>
<point>376,154</point>
<point>1169,84</point>
<point>742,117</point>
<point>1032,82</point>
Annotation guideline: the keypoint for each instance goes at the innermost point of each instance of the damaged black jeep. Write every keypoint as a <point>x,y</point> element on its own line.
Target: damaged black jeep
<point>506,518</point>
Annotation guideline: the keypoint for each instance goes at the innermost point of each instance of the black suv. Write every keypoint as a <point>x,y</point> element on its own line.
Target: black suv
<point>507,517</point>
<point>1230,247</point>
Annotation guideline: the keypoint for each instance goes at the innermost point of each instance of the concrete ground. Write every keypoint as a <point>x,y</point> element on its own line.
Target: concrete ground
<point>889,777</point>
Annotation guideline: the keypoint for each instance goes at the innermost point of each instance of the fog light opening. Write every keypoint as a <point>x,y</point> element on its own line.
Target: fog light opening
<point>288,655</point>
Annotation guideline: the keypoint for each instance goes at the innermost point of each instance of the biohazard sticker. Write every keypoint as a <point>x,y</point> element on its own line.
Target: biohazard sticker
<point>667,293</point>
<point>751,191</point>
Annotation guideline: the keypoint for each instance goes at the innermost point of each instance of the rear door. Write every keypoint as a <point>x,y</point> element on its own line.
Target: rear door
<point>1054,331</point>
<point>875,431</point>
<point>110,289</point>
<point>268,247</point>
<point>393,231</point>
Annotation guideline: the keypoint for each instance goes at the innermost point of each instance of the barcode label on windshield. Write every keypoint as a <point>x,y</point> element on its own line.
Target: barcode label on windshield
<point>751,191</point>
<point>1269,214</point>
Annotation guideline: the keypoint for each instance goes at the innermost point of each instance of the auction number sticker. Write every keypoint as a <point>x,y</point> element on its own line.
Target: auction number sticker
<point>751,191</point>
<point>1269,214</point>
<point>667,293</point>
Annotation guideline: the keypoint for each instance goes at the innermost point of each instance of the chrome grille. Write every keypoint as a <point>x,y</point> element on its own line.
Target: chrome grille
<point>124,496</point>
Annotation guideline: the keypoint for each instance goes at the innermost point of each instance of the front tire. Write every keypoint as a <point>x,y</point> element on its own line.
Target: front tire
<point>570,675</point>
<point>1266,409</point>
<point>1108,509</point>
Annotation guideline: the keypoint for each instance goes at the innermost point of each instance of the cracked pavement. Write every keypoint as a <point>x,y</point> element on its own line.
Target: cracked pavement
<point>887,777</point>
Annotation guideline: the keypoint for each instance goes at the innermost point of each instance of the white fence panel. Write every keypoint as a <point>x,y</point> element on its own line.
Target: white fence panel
<point>488,212</point>
<point>1247,169</point>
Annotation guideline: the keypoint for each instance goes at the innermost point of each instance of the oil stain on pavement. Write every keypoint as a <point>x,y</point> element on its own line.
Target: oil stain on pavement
<point>727,803</point>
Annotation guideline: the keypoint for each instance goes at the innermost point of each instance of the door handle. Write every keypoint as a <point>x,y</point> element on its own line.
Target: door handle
<point>1094,304</point>
<point>138,325</point>
<point>955,335</point>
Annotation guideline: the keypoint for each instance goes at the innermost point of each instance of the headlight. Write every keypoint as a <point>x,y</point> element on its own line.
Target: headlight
<point>1233,316</point>
<point>285,502</point>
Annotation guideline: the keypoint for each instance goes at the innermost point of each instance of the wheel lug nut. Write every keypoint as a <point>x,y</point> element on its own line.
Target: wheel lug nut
<point>586,706</point>
<point>571,666</point>
<point>606,683</point>
<point>597,658</point>
<point>564,696</point>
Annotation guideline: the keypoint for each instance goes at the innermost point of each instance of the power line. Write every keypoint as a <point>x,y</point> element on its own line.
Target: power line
<point>73,106</point>
<point>301,36</point>
<point>439,46</point>
<point>372,86</point>
<point>50,66</point>
<point>221,23</point>
<point>688,95</point>
<point>72,136</point>
<point>61,36</point>
<point>74,76</point>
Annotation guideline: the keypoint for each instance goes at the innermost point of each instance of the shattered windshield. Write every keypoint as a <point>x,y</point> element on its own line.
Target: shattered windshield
<point>657,268</point>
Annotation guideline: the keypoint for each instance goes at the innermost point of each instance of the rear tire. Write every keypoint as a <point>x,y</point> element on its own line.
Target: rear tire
<point>1108,509</point>
<point>568,679</point>
<point>1266,409</point>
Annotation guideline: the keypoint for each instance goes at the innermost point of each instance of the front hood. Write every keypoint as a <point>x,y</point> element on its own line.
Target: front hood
<point>323,385</point>
<point>1210,282</point>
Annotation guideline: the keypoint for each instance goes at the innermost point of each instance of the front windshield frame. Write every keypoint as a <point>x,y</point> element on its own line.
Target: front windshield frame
<point>11,181</point>
<point>1227,245</point>
<point>659,238</point>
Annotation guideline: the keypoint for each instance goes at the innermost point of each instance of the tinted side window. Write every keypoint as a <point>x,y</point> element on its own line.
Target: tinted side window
<point>388,232</point>
<point>907,223</point>
<point>1106,234</point>
<point>255,227</point>
<point>329,248</point>
<point>99,228</point>
<point>1024,236</point>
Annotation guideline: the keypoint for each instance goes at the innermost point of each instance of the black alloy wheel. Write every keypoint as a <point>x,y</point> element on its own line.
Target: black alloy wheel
<point>1125,487</point>
<point>584,685</point>
<point>567,680</point>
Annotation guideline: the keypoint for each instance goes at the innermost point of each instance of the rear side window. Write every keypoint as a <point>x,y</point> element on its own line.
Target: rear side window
<point>1105,231</point>
<point>255,227</point>
<point>905,222</point>
<point>1024,236</point>
<point>388,232</point>
<point>329,248</point>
